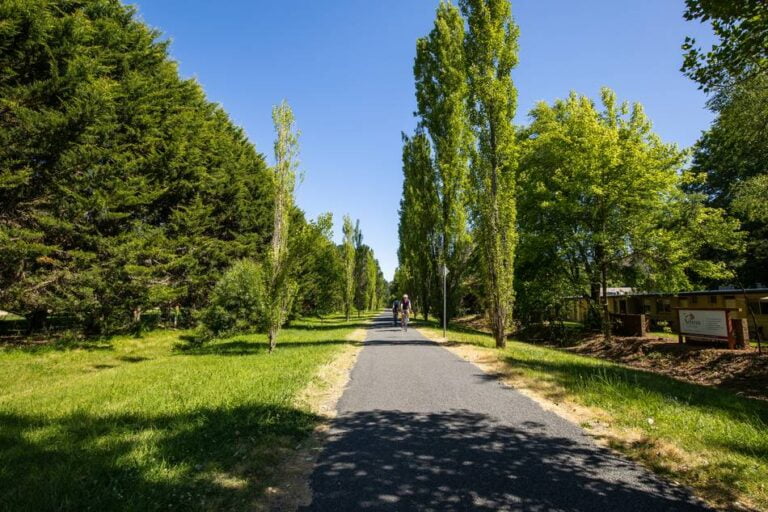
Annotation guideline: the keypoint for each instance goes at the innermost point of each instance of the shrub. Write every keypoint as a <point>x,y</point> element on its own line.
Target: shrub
<point>237,301</point>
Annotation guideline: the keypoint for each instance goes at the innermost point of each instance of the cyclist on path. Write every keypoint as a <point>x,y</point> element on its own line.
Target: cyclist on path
<point>405,311</point>
<point>395,311</point>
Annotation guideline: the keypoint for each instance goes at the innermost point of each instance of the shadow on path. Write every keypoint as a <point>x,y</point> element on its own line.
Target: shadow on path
<point>460,460</point>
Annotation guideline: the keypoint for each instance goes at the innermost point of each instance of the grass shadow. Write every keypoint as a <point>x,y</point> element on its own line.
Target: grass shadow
<point>246,348</point>
<point>331,326</point>
<point>573,375</point>
<point>60,345</point>
<point>207,459</point>
<point>133,359</point>
<point>103,366</point>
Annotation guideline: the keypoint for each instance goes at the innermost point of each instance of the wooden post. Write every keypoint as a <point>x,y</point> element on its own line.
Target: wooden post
<point>740,332</point>
<point>731,338</point>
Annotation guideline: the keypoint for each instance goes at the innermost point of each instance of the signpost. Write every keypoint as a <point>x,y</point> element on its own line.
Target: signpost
<point>445,298</point>
<point>714,324</point>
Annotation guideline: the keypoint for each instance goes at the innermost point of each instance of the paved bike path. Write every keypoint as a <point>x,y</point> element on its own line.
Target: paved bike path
<point>419,428</point>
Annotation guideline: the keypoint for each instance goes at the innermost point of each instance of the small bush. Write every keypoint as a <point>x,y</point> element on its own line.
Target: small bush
<point>664,326</point>
<point>237,301</point>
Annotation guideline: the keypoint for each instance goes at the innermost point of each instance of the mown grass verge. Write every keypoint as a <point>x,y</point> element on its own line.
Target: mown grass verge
<point>709,439</point>
<point>154,424</point>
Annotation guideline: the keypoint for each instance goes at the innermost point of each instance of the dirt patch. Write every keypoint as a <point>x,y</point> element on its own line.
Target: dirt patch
<point>477,323</point>
<point>320,397</point>
<point>744,372</point>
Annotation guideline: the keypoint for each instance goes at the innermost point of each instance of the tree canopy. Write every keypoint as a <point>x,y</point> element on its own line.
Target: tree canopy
<point>419,222</point>
<point>742,48</point>
<point>583,198</point>
<point>123,189</point>
<point>730,158</point>
<point>441,92</point>
<point>602,202</point>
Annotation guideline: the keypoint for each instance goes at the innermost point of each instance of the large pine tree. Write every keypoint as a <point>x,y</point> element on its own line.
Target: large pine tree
<point>122,188</point>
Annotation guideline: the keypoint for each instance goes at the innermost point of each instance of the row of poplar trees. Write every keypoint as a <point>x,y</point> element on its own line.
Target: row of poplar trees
<point>585,197</point>
<point>123,189</point>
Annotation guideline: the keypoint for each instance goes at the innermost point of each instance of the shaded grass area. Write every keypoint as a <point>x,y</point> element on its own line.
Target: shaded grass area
<point>708,438</point>
<point>153,424</point>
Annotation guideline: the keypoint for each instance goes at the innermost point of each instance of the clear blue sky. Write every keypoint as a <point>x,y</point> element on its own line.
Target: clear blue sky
<point>345,66</point>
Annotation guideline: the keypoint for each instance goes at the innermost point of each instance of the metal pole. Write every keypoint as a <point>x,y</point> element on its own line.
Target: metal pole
<point>445,299</point>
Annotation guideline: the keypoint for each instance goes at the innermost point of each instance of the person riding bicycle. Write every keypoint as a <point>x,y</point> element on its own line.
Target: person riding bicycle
<point>395,311</point>
<point>405,311</point>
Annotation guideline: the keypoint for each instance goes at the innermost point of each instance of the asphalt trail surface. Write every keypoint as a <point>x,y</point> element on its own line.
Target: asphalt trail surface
<point>419,428</point>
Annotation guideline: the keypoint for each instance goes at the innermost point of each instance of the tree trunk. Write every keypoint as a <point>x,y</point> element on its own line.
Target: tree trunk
<point>498,315</point>
<point>594,313</point>
<point>272,339</point>
<point>604,304</point>
<point>754,321</point>
<point>498,329</point>
<point>36,320</point>
<point>137,327</point>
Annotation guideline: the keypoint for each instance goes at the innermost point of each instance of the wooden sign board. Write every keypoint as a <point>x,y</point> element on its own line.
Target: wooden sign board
<point>711,324</point>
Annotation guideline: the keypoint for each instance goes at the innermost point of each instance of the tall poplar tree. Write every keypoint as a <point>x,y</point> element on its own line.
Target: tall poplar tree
<point>348,258</point>
<point>280,287</point>
<point>441,94</point>
<point>372,279</point>
<point>491,53</point>
<point>419,248</point>
<point>361,270</point>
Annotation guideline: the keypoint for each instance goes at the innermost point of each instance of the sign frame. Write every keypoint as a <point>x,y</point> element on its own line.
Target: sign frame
<point>730,338</point>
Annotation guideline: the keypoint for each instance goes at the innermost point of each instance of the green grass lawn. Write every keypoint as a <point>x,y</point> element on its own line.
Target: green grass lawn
<point>723,437</point>
<point>662,334</point>
<point>151,424</point>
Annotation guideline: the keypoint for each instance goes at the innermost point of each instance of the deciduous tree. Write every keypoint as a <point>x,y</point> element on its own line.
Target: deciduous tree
<point>441,91</point>
<point>491,54</point>
<point>741,52</point>
<point>419,248</point>
<point>603,201</point>
<point>280,287</point>
<point>731,159</point>
<point>348,258</point>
